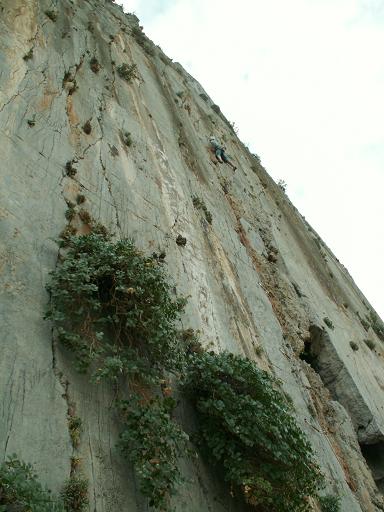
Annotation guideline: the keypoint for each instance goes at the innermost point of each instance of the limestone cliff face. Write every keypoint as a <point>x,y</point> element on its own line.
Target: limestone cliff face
<point>260,280</point>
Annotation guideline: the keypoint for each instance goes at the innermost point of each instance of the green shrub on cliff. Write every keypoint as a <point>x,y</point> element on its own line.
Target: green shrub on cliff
<point>20,489</point>
<point>111,305</point>
<point>247,430</point>
<point>153,442</point>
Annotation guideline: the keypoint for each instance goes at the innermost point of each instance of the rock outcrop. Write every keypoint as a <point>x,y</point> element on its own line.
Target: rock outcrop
<point>132,142</point>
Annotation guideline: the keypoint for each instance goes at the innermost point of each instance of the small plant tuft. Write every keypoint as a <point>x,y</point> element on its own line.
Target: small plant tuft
<point>69,169</point>
<point>181,240</point>
<point>370,344</point>
<point>377,325</point>
<point>142,40</point>
<point>75,428</point>
<point>75,463</point>
<point>29,55</point>
<point>199,204</point>
<point>94,65</point>
<point>365,324</point>
<point>329,503</point>
<point>75,494</point>
<point>70,213</point>
<point>87,127</point>
<point>328,322</point>
<point>80,199</point>
<point>282,184</point>
<point>52,15</point>
<point>127,72</point>
<point>354,346</point>
<point>127,139</point>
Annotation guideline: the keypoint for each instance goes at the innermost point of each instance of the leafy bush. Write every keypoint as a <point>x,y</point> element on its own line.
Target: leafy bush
<point>112,305</point>
<point>20,489</point>
<point>127,72</point>
<point>354,346</point>
<point>153,442</point>
<point>329,503</point>
<point>247,429</point>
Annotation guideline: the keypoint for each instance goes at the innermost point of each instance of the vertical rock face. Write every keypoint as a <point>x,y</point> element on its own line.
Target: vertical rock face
<point>261,282</point>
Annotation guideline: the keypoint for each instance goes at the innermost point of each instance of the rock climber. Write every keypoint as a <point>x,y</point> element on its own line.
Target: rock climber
<point>220,152</point>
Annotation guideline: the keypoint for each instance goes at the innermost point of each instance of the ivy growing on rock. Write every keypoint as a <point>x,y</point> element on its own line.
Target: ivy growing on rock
<point>248,431</point>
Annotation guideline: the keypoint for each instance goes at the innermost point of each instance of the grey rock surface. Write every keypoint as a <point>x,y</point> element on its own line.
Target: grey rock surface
<point>260,280</point>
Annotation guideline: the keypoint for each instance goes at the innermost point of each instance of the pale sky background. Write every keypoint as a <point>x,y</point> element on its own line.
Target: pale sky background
<point>303,80</point>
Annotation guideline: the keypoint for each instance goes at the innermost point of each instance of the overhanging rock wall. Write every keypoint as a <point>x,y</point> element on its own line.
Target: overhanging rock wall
<point>260,280</point>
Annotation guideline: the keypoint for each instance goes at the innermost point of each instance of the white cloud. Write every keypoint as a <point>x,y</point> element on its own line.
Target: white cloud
<point>303,81</point>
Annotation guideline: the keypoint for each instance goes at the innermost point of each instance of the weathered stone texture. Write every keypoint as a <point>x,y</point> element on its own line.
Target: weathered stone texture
<point>260,280</point>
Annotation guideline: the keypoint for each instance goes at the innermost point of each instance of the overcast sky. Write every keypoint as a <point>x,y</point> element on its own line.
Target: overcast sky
<point>303,80</point>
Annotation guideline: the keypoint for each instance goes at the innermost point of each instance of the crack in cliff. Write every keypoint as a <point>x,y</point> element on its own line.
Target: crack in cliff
<point>19,93</point>
<point>109,185</point>
<point>11,413</point>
